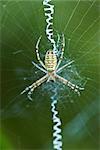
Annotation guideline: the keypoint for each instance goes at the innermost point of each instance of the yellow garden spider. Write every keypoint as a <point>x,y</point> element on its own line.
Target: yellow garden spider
<point>51,68</point>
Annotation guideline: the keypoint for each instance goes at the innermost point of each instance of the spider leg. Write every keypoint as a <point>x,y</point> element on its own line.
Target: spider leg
<point>61,57</point>
<point>37,52</point>
<point>69,84</point>
<point>58,41</point>
<point>36,65</point>
<point>34,85</point>
<point>61,68</point>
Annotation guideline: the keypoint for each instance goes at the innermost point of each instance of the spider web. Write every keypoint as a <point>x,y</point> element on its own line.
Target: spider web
<point>22,22</point>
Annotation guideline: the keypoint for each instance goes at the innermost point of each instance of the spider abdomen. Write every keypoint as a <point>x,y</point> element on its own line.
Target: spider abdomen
<point>50,61</point>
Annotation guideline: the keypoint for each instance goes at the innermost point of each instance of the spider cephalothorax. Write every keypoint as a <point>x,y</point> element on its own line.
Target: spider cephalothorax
<point>51,68</point>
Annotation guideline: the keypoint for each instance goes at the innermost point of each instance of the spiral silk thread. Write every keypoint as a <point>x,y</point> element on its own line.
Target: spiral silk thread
<point>57,141</point>
<point>49,11</point>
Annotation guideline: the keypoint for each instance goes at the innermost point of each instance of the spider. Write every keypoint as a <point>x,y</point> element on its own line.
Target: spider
<point>51,67</point>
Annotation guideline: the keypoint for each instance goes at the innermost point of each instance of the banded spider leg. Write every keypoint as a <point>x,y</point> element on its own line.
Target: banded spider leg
<point>33,86</point>
<point>69,84</point>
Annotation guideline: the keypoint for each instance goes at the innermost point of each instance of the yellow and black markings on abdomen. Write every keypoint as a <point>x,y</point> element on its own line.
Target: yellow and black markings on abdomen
<point>50,61</point>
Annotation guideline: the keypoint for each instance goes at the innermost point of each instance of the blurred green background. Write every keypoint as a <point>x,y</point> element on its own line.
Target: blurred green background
<point>27,125</point>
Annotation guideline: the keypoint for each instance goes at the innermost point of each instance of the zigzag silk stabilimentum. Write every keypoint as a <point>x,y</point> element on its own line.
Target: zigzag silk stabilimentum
<point>57,137</point>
